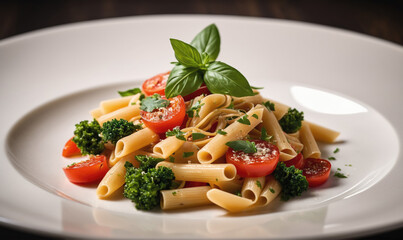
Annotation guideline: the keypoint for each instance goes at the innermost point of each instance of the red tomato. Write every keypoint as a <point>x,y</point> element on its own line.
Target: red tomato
<point>258,164</point>
<point>297,161</point>
<point>202,90</point>
<point>164,119</point>
<point>91,170</point>
<point>70,149</point>
<point>316,171</point>
<point>194,184</point>
<point>156,84</point>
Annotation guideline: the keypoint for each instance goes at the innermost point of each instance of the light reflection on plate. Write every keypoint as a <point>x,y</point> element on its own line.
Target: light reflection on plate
<point>325,102</point>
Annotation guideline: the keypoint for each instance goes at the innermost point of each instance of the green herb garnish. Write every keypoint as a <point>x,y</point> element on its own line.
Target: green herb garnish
<point>242,145</point>
<point>177,133</point>
<point>197,64</point>
<point>259,184</point>
<point>129,92</point>
<point>195,108</point>
<point>222,132</point>
<point>244,120</point>
<point>187,154</point>
<point>153,102</point>
<point>196,136</point>
<point>269,105</point>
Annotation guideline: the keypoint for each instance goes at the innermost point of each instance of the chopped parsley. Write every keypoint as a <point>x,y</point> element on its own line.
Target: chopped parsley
<point>187,154</point>
<point>70,165</point>
<point>272,190</point>
<point>153,102</point>
<point>259,184</point>
<point>255,116</point>
<point>264,136</point>
<point>220,131</point>
<point>177,133</point>
<point>339,174</point>
<point>231,106</point>
<point>195,108</point>
<point>269,105</point>
<point>196,136</point>
<point>336,150</point>
<point>174,193</point>
<point>331,158</point>
<point>244,120</point>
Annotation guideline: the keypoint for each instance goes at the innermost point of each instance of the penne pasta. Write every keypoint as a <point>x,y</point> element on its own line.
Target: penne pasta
<point>201,173</point>
<point>270,191</point>
<point>184,197</point>
<point>323,134</point>
<point>114,178</point>
<point>229,201</point>
<point>273,128</point>
<point>135,142</point>
<point>126,113</point>
<point>235,131</point>
<point>311,149</point>
<point>252,187</point>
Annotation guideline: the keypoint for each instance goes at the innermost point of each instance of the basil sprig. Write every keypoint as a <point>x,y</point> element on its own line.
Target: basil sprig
<point>197,64</point>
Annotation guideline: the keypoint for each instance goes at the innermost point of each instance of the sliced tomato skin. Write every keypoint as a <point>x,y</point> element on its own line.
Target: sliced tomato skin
<point>255,166</point>
<point>156,84</point>
<point>298,161</point>
<point>171,116</point>
<point>91,170</point>
<point>316,171</point>
<point>70,149</point>
<point>202,90</point>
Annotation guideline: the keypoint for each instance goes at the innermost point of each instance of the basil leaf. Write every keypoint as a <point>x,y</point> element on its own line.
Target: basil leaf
<point>186,54</point>
<point>208,41</point>
<point>153,102</point>
<point>183,81</point>
<point>242,145</point>
<point>224,79</point>
<point>129,92</point>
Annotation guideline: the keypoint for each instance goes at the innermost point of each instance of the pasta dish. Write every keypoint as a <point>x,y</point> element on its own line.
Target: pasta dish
<point>197,135</point>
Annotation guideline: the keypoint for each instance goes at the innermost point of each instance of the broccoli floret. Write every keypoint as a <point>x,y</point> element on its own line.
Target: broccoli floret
<point>291,122</point>
<point>147,162</point>
<point>87,137</point>
<point>143,185</point>
<point>114,129</point>
<point>292,182</point>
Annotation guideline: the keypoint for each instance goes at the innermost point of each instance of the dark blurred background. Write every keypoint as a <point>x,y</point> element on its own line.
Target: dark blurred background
<point>380,19</point>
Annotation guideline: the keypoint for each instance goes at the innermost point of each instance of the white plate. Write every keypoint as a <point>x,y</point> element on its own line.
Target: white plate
<point>51,78</point>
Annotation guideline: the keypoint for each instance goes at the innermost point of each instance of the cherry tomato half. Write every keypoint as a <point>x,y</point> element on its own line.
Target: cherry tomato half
<point>91,170</point>
<point>202,90</point>
<point>156,84</point>
<point>316,171</point>
<point>163,119</point>
<point>258,164</point>
<point>70,149</point>
<point>297,161</point>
